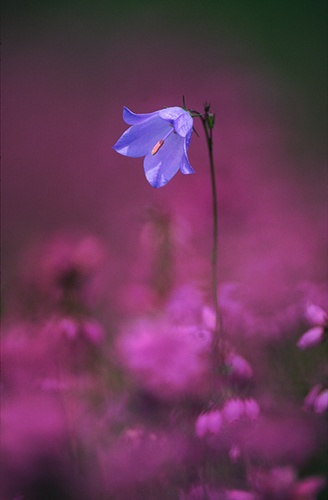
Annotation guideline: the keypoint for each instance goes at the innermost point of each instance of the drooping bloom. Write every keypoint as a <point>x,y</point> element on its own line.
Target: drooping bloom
<point>311,338</point>
<point>318,318</point>
<point>208,423</point>
<point>317,399</point>
<point>234,409</point>
<point>163,138</point>
<point>316,315</point>
<point>238,368</point>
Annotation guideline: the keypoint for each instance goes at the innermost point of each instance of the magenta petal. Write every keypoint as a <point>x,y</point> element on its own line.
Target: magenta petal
<point>311,337</point>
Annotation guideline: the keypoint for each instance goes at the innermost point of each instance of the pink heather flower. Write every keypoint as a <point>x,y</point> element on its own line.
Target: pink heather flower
<point>312,396</point>
<point>239,367</point>
<point>72,341</point>
<point>308,488</point>
<point>316,315</point>
<point>201,337</point>
<point>75,329</point>
<point>214,421</point>
<point>273,483</point>
<point>201,425</point>
<point>282,483</point>
<point>315,335</point>
<point>166,360</point>
<point>208,317</point>
<point>234,453</point>
<point>208,423</point>
<point>186,306</point>
<point>321,402</point>
<point>317,400</point>
<point>252,409</point>
<point>311,337</point>
<point>68,327</point>
<point>233,410</point>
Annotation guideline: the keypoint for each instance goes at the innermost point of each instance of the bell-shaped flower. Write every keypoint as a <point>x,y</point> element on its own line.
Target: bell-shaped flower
<point>316,315</point>
<point>236,408</point>
<point>208,423</point>
<point>238,368</point>
<point>317,400</point>
<point>318,318</point>
<point>163,138</point>
<point>311,338</point>
<point>252,409</point>
<point>233,410</point>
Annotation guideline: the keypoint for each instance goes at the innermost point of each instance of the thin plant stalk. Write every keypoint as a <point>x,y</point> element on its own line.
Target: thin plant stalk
<point>208,123</point>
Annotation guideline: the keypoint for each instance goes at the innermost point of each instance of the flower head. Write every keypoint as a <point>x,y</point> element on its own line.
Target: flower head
<point>316,315</point>
<point>238,368</point>
<point>317,400</point>
<point>234,409</point>
<point>165,360</point>
<point>318,318</point>
<point>208,423</point>
<point>311,338</point>
<point>163,137</point>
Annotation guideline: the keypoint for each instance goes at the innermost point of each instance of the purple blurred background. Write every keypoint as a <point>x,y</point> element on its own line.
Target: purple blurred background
<point>69,70</point>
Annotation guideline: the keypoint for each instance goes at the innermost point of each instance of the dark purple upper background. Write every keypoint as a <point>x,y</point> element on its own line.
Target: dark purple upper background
<point>68,70</point>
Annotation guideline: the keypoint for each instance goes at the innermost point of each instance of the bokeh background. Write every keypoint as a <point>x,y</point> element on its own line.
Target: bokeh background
<point>68,198</point>
<point>68,69</point>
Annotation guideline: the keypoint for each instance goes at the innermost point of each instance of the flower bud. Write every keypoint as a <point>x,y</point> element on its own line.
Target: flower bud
<point>311,338</point>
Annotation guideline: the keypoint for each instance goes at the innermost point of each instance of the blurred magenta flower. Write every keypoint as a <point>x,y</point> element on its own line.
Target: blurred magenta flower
<point>234,409</point>
<point>208,423</point>
<point>317,399</point>
<point>282,482</point>
<point>311,338</point>
<point>321,402</point>
<point>318,318</point>
<point>163,137</point>
<point>238,367</point>
<point>167,361</point>
<point>252,409</point>
<point>316,315</point>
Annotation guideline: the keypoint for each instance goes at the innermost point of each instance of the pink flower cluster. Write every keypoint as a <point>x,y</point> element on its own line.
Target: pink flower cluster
<point>96,404</point>
<point>318,318</point>
<point>170,361</point>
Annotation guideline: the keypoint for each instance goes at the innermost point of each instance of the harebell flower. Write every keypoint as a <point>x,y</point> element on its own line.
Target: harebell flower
<point>163,138</point>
